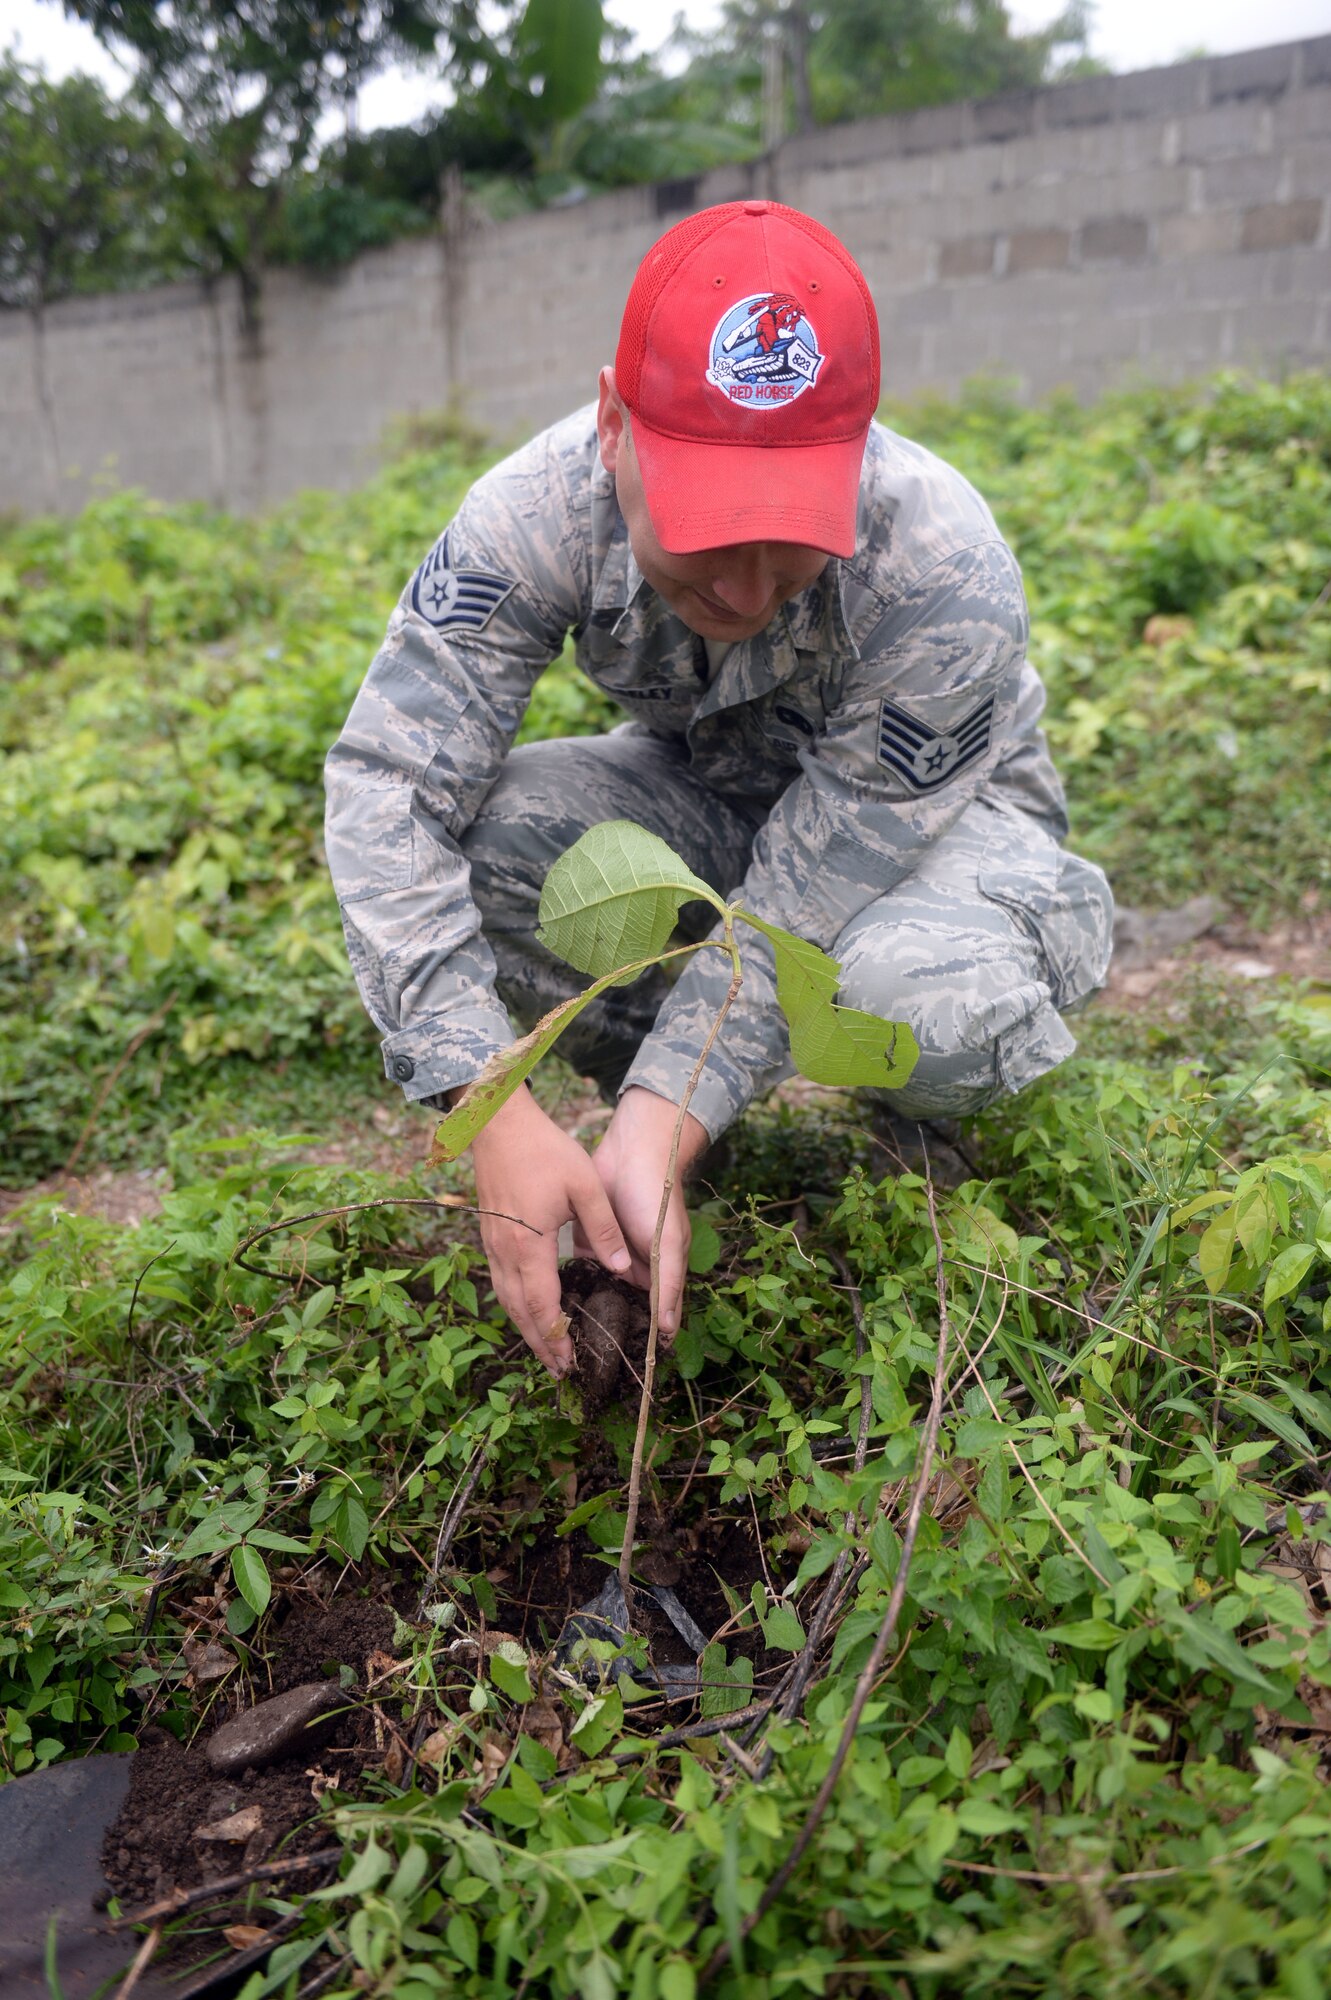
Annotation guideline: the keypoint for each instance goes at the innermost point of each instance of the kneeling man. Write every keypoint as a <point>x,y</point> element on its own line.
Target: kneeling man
<point>818,636</point>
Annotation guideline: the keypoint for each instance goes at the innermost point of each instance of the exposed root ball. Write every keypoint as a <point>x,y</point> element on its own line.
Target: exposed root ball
<point>608,1320</point>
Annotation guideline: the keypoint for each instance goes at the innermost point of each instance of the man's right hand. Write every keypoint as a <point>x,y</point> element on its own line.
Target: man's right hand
<point>530,1170</point>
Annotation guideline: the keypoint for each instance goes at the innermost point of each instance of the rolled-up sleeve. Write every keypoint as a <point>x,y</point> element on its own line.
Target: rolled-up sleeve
<point>482,618</point>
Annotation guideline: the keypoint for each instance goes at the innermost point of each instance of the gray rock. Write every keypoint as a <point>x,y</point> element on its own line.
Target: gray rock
<point>1143,936</point>
<point>299,1719</point>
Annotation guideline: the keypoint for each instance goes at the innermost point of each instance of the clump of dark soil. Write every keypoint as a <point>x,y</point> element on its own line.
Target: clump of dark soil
<point>154,1846</point>
<point>608,1319</point>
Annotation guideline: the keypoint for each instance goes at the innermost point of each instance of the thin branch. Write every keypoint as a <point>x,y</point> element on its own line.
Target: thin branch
<point>452,1520</point>
<point>225,1885</point>
<point>135,1043</point>
<point>447,1201</point>
<point>140,1965</point>
<point>653,1329</point>
<point>886,1631</point>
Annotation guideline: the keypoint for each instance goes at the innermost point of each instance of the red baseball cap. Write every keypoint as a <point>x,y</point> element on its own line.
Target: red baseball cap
<point>748,356</point>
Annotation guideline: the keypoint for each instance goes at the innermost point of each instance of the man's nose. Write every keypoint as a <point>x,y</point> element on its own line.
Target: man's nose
<point>747,589</point>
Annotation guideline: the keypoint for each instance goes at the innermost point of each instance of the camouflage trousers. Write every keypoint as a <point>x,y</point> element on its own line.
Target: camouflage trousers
<point>982,948</point>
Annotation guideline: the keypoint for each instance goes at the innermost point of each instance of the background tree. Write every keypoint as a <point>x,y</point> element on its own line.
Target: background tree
<point>246,82</point>
<point>845,59</point>
<point>89,196</point>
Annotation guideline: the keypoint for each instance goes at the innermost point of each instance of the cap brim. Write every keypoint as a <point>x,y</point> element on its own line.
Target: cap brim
<point>712,496</point>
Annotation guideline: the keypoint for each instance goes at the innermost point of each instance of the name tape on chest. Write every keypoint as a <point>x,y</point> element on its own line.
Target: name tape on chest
<point>457,599</point>
<point>925,758</point>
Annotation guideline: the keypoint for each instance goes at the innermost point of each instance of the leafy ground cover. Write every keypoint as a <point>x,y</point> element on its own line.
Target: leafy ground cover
<point>1094,1759</point>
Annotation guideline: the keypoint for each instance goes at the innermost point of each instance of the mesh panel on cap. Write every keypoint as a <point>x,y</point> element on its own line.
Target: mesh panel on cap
<point>654,273</point>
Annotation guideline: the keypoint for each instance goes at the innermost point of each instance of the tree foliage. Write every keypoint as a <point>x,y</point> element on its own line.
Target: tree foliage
<point>844,59</point>
<point>89,193</point>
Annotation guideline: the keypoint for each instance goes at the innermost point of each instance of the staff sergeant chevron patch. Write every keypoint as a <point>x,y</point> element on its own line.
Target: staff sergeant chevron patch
<point>448,597</point>
<point>922,758</point>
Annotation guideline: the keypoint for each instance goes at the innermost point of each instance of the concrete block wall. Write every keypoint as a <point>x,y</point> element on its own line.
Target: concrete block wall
<point>1148,226</point>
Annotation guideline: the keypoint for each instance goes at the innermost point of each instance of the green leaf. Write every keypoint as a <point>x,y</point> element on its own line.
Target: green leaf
<point>612,899</point>
<point>560,42</point>
<point>1215,1251</point>
<point>252,1580</point>
<point>982,1816</point>
<point>464,1939</point>
<point>506,1071</point>
<point>599,1723</point>
<point>704,1247</point>
<point>726,1685</point>
<point>221,1528</point>
<point>782,1629</point>
<point>508,1671</point>
<point>350,1526</point>
<point>837,1046</point>
<point>1092,1635</point>
<point>1288,1271</point>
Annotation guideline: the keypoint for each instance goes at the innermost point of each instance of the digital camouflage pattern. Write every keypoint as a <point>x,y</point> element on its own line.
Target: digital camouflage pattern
<point>868,772</point>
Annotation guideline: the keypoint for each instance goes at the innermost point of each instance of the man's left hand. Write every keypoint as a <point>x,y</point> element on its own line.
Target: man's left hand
<point>631,1161</point>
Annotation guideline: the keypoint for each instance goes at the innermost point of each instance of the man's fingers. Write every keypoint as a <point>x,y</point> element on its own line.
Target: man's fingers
<point>595,1225</point>
<point>526,1279</point>
<point>674,1267</point>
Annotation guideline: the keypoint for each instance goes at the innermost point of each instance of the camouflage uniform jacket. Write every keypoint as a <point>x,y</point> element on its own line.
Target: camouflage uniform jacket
<point>866,716</point>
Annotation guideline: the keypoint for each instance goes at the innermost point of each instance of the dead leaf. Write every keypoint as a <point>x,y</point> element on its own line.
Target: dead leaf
<point>1160,629</point>
<point>209,1662</point>
<point>394,1762</point>
<point>382,1667</point>
<point>438,1744</point>
<point>494,1756</point>
<point>543,1721</point>
<point>243,1937</point>
<point>320,1782</point>
<point>237,1826</point>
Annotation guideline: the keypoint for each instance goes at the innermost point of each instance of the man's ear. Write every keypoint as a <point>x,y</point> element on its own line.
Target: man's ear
<point>611,420</point>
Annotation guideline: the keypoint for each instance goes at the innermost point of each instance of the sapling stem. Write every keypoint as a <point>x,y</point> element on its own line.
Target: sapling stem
<point>654,1294</point>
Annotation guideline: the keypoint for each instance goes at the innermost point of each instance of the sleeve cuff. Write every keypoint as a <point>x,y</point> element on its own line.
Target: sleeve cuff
<point>444,1050</point>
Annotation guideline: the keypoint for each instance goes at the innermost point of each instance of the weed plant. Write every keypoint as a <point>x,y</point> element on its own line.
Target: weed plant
<point>1095,1762</point>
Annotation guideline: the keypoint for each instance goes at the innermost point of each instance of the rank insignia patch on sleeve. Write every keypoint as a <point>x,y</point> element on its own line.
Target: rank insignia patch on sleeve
<point>924,759</point>
<point>450,599</point>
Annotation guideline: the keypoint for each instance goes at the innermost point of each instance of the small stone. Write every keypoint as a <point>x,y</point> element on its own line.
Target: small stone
<point>292,1721</point>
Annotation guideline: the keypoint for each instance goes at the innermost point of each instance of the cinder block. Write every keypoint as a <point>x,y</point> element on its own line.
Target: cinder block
<point>931,307</point>
<point>897,267</point>
<point>1223,130</point>
<point>1269,331</point>
<point>970,349</point>
<point>1197,338</point>
<point>1302,114</point>
<point>968,257</point>
<point>1011,116</point>
<point>1253,73</point>
<point>1090,101</point>
<point>1113,336</point>
<point>1279,224</point>
<point>1310,166</point>
<point>941,125</point>
<point>1038,250</point>
<point>1124,238</point>
<point>1124,146</point>
<point>1256,177</point>
<point>1315,60</point>
<point>1160,93</point>
<point>1212,232</point>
